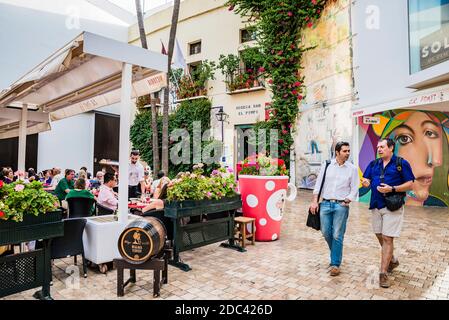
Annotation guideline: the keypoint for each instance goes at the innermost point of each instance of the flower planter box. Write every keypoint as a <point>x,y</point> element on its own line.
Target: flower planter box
<point>197,233</point>
<point>24,271</point>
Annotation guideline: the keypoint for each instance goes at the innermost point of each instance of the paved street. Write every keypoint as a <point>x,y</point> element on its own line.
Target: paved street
<point>295,266</point>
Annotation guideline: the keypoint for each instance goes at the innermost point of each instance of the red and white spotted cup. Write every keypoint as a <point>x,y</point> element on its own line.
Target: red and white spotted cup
<point>263,198</point>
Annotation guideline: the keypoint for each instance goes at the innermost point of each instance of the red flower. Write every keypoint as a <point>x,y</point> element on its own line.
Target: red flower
<point>310,24</point>
<point>286,151</point>
<point>289,13</point>
<point>2,214</point>
<point>307,18</point>
<point>245,165</point>
<point>270,81</point>
<point>318,11</point>
<point>297,84</point>
<point>261,69</point>
<point>295,92</point>
<point>281,162</point>
<point>231,8</point>
<point>292,46</point>
<point>314,1</point>
<point>300,97</point>
<point>280,141</point>
<point>284,131</point>
<point>280,52</point>
<point>1,184</point>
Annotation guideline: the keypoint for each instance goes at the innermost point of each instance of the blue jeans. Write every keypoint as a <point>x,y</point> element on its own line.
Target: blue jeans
<point>333,217</point>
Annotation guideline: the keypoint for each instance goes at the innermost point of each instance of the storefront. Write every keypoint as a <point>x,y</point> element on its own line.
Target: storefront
<point>420,127</point>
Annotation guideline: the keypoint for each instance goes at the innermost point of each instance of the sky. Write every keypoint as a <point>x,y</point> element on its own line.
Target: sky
<point>130,6</point>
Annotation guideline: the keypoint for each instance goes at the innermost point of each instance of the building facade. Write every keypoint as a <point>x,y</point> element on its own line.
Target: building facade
<point>401,63</point>
<point>207,29</point>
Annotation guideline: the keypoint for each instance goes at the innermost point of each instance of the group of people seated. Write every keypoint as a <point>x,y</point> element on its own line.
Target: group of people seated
<point>102,188</point>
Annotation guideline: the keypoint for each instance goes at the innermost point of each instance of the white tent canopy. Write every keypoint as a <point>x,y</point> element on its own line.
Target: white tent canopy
<point>82,76</point>
<point>89,72</point>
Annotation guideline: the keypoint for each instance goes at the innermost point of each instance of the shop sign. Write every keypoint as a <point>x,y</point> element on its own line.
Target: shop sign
<point>371,120</point>
<point>248,110</point>
<point>434,48</point>
<point>157,82</point>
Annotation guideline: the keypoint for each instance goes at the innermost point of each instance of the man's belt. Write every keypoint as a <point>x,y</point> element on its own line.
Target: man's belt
<point>334,200</point>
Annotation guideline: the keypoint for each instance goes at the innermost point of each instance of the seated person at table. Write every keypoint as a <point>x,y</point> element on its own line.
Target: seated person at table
<point>48,176</point>
<point>65,185</point>
<point>32,176</point>
<point>159,196</point>
<point>80,191</point>
<point>8,175</point>
<point>155,183</point>
<point>83,175</point>
<point>57,176</point>
<point>98,181</point>
<point>107,197</point>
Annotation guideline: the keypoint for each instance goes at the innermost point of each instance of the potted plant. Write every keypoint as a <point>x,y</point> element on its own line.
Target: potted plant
<point>202,209</point>
<point>27,213</point>
<point>263,184</point>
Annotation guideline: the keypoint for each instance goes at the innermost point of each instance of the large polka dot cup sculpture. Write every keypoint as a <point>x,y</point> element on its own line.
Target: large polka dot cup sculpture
<point>263,198</point>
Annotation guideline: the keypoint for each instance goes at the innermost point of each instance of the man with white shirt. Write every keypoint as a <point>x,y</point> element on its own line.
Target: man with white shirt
<point>136,180</point>
<point>340,188</point>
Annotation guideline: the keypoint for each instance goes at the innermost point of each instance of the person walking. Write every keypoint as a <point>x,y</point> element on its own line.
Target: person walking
<point>389,177</point>
<point>339,189</point>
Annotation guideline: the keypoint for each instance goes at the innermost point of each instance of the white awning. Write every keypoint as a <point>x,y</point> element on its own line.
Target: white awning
<point>82,76</point>
<point>435,99</point>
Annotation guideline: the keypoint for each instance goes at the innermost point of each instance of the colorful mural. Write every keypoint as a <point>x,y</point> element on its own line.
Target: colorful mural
<point>328,80</point>
<point>422,138</point>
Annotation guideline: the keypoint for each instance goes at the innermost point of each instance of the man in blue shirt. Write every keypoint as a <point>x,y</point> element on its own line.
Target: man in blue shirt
<point>387,224</point>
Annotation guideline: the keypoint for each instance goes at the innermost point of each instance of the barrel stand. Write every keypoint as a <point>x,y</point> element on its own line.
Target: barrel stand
<point>157,264</point>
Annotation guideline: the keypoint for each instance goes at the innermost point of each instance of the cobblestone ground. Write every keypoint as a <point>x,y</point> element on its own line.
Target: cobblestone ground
<point>293,267</point>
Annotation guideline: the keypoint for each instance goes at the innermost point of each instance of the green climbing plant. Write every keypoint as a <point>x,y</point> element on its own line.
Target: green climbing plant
<point>278,26</point>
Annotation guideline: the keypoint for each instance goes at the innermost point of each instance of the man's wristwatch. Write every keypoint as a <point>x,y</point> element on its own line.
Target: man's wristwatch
<point>393,189</point>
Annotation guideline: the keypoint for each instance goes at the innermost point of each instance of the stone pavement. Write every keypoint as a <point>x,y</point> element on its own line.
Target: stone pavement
<point>293,267</point>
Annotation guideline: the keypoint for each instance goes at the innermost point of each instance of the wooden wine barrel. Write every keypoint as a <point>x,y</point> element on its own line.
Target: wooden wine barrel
<point>142,239</point>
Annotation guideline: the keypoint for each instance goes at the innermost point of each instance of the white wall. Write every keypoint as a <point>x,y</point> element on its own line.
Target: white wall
<point>32,30</point>
<point>381,56</point>
<point>69,145</point>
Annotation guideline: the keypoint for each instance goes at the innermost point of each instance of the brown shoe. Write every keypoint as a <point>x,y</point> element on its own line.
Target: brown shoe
<point>393,265</point>
<point>384,282</point>
<point>335,271</point>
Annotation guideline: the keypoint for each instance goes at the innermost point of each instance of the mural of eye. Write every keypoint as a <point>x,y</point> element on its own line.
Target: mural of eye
<point>431,134</point>
<point>404,139</point>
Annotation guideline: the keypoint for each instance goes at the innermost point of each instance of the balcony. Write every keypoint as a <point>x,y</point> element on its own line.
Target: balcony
<point>244,81</point>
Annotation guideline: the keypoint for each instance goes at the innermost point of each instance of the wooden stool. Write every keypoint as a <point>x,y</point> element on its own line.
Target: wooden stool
<point>157,264</point>
<point>241,223</point>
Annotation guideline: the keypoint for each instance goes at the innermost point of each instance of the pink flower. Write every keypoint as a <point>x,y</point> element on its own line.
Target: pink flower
<point>314,1</point>
<point>209,194</point>
<point>310,24</point>
<point>297,84</point>
<point>280,141</point>
<point>19,187</point>
<point>261,69</point>
<point>284,131</point>
<point>231,8</point>
<point>270,81</point>
<point>230,170</point>
<point>280,52</point>
<point>289,13</point>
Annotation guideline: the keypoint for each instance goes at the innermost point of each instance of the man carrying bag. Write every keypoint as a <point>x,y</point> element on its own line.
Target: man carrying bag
<point>339,182</point>
<point>389,177</point>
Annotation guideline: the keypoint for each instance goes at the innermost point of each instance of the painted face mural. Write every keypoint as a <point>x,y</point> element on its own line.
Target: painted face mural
<point>422,139</point>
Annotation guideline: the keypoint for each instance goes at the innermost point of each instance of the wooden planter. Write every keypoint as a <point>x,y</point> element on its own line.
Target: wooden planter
<point>24,271</point>
<point>210,221</point>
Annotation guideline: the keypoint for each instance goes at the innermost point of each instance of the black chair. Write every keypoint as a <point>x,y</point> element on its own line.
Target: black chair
<point>71,244</point>
<point>80,207</point>
<point>103,211</point>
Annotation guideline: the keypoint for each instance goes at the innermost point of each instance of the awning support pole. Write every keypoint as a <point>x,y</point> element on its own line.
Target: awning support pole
<point>125,117</point>
<point>22,138</point>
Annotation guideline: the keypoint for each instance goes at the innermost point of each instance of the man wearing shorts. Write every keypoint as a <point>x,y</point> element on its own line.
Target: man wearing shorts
<point>387,225</point>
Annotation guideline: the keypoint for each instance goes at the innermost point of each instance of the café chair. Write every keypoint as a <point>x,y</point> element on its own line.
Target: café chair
<point>80,207</point>
<point>71,244</point>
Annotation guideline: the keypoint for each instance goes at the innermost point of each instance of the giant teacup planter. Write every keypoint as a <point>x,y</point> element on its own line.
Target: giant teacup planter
<point>263,198</point>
